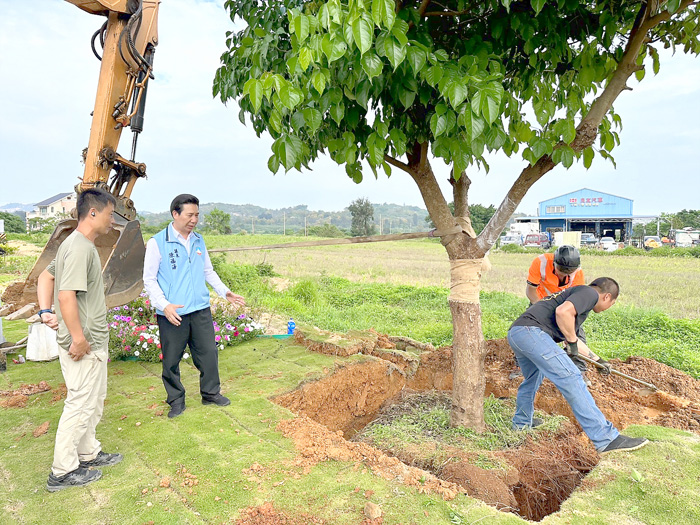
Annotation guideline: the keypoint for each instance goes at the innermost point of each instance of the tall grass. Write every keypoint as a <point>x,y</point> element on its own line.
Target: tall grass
<point>339,304</point>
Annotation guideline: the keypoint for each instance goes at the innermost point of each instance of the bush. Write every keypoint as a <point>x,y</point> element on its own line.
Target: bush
<point>306,292</point>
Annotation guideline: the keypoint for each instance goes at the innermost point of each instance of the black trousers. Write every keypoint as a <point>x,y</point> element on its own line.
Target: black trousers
<point>196,330</point>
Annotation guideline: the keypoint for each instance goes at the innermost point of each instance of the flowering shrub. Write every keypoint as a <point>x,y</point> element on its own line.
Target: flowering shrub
<point>133,329</point>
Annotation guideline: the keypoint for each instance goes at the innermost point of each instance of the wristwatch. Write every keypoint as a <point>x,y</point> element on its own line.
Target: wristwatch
<point>44,311</point>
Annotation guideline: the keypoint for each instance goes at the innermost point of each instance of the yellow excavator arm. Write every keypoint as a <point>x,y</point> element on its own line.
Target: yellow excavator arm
<point>128,39</point>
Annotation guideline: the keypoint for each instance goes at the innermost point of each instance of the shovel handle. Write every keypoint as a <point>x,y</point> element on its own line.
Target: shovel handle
<point>618,373</point>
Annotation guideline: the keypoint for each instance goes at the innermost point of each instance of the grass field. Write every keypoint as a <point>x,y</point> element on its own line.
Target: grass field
<point>398,288</point>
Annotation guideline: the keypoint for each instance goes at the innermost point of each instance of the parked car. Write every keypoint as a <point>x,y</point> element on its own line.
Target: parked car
<point>512,239</point>
<point>608,244</point>
<point>588,240</point>
<point>652,241</point>
<point>539,240</point>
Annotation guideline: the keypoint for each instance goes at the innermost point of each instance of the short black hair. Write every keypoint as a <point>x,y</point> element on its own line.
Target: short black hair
<point>607,285</point>
<point>181,200</point>
<point>93,198</point>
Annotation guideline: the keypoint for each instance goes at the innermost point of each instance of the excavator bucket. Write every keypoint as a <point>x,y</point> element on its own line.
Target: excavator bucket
<point>121,254</point>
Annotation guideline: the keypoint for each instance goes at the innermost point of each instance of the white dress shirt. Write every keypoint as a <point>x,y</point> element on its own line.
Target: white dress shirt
<point>151,264</point>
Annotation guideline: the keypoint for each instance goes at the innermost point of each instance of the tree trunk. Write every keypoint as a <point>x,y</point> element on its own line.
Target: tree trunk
<point>468,353</point>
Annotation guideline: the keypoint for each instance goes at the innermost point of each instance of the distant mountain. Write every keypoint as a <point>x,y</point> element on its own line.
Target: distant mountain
<point>395,218</point>
<point>16,206</point>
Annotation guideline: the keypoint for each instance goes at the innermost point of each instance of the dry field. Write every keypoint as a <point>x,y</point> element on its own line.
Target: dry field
<point>669,285</point>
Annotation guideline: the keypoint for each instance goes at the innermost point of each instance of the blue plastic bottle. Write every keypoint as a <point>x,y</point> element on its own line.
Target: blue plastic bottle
<point>291,325</point>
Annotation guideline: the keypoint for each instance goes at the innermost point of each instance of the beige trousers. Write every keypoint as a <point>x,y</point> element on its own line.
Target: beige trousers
<point>86,382</point>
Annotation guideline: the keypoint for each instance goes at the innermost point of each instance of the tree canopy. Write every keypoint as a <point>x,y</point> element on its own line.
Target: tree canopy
<point>13,223</point>
<point>362,218</point>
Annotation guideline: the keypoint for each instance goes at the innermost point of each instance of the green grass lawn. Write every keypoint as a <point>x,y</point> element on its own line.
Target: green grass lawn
<point>216,444</point>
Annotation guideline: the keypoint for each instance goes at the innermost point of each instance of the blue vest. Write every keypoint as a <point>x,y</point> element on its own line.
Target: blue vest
<point>181,276</point>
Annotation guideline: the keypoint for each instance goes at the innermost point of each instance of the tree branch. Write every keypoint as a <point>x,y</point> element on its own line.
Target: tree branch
<point>460,193</point>
<point>397,163</point>
<point>423,6</point>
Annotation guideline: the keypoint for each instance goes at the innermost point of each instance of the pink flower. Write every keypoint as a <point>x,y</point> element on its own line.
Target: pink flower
<point>217,338</point>
<point>160,356</point>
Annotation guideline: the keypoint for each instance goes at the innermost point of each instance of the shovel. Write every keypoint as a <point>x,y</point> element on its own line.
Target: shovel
<point>649,389</point>
<point>649,386</point>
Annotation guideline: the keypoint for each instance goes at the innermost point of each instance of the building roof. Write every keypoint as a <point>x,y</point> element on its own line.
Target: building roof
<point>53,199</point>
<point>586,189</point>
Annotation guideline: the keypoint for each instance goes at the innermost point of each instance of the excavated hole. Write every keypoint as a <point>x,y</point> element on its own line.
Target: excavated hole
<point>531,480</point>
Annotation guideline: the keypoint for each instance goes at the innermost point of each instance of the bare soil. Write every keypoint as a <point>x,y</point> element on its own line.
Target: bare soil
<point>540,474</point>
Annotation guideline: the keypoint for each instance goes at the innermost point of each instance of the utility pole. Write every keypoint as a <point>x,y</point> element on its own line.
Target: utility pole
<point>252,222</point>
<point>305,225</point>
<point>284,223</point>
<point>380,224</point>
<point>658,226</point>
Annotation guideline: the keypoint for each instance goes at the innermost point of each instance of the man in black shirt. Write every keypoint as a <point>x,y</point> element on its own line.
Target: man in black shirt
<point>534,337</point>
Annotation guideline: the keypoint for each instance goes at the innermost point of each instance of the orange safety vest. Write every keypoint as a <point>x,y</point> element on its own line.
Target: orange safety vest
<point>542,275</point>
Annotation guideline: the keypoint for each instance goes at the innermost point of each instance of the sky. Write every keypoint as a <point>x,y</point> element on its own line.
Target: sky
<point>192,143</point>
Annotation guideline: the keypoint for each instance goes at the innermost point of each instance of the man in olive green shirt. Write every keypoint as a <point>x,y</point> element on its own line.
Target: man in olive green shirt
<point>74,277</point>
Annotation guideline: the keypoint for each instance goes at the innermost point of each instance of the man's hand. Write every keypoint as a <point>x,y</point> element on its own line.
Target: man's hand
<point>606,367</point>
<point>50,320</point>
<point>234,299</point>
<point>78,349</point>
<point>170,312</point>
<point>572,348</point>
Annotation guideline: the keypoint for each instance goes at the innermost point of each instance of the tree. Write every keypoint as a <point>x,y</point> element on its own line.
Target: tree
<point>13,224</point>
<point>325,230</point>
<point>400,84</point>
<point>218,221</point>
<point>479,215</point>
<point>362,218</point>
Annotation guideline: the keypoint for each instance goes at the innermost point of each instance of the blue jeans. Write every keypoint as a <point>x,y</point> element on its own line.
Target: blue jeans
<point>539,357</point>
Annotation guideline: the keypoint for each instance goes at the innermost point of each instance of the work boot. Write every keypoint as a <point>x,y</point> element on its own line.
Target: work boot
<point>76,478</point>
<point>586,380</point>
<point>218,399</point>
<point>176,409</point>
<point>103,459</point>
<point>624,444</point>
<point>515,374</point>
<point>536,422</point>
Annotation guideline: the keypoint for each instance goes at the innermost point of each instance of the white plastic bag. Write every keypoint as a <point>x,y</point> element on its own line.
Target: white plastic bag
<point>41,345</point>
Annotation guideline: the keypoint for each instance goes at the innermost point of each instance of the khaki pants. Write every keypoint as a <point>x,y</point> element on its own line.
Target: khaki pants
<point>86,382</point>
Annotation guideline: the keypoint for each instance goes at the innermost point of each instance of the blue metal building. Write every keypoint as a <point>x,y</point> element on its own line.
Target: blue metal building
<point>586,210</point>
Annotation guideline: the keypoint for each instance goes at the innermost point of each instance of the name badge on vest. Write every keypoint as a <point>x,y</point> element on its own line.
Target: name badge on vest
<point>199,252</point>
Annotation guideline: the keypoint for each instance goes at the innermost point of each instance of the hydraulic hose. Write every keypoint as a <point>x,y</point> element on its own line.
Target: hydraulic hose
<point>101,33</point>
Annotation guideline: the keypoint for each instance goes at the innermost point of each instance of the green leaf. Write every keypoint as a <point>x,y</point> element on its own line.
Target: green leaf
<point>362,93</point>
<point>372,65</point>
<point>417,58</point>
<point>673,5</point>
<point>318,80</point>
<point>537,5</point>
<point>588,155</point>
<point>290,96</point>
<point>362,33</point>
<point>260,33</point>
<point>254,88</point>
<point>473,124</point>
<point>563,155</point>
<point>438,124</point>
<point>291,151</point>
<point>406,97</point>
<point>569,133</point>
<point>301,27</point>
<point>399,31</point>
<point>273,164</point>
<point>324,16</point>
<point>298,120</point>
<point>313,118</point>
<point>305,58</point>
<point>395,52</point>
<point>337,112</point>
<point>276,120</point>
<point>383,12</point>
<point>456,92</point>
<point>433,75</point>
<point>639,74</point>
<point>398,138</point>
<point>333,48</point>
<point>540,147</point>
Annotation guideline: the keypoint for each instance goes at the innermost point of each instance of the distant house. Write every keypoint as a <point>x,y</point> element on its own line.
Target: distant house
<point>57,206</point>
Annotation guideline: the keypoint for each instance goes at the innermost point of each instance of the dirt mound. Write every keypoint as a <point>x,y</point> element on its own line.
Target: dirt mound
<point>18,398</point>
<point>266,514</point>
<point>622,401</point>
<point>315,443</point>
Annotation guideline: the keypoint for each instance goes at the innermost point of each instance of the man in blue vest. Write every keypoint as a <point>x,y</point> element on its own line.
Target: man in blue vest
<point>175,272</point>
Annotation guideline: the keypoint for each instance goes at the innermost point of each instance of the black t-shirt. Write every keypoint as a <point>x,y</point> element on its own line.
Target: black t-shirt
<point>542,314</point>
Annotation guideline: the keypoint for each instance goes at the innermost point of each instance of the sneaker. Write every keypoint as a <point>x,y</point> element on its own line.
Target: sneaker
<point>536,422</point>
<point>625,443</point>
<point>515,374</point>
<point>103,459</point>
<point>77,478</point>
<point>176,410</point>
<point>218,399</point>
<point>586,380</point>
